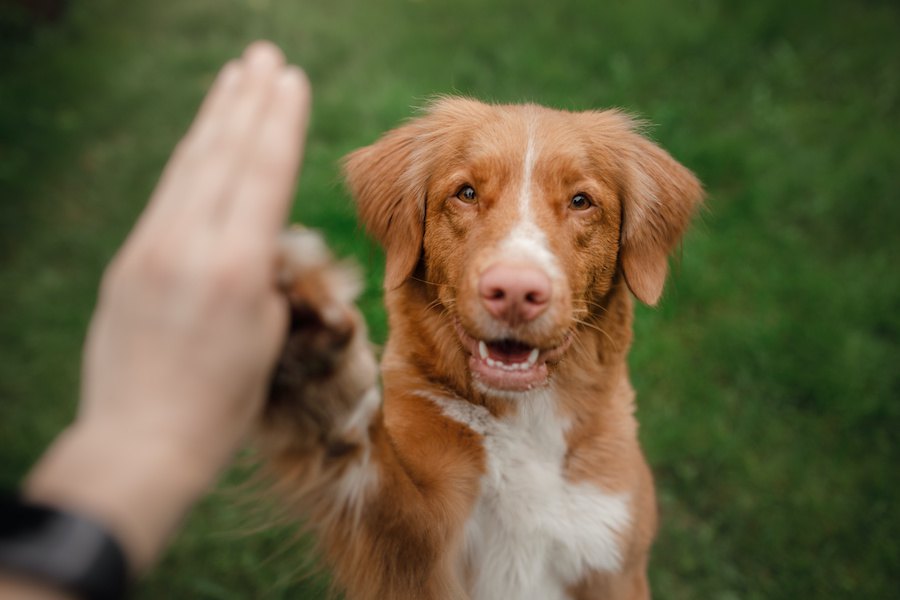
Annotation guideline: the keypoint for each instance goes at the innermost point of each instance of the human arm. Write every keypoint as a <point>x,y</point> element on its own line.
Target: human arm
<point>189,320</point>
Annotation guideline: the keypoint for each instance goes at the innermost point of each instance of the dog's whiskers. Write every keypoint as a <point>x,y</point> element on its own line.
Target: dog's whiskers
<point>433,304</point>
<point>591,304</point>
<point>597,328</point>
<point>435,283</point>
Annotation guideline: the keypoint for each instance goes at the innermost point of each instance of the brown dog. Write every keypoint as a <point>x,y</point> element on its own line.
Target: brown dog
<point>503,462</point>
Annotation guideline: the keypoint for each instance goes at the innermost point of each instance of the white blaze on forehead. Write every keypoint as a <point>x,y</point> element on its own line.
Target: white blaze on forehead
<point>527,174</point>
<point>526,240</point>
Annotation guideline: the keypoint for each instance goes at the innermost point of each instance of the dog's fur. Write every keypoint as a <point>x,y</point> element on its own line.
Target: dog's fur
<point>514,474</point>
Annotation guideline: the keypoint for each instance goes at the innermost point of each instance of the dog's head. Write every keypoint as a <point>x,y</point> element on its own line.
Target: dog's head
<point>522,217</point>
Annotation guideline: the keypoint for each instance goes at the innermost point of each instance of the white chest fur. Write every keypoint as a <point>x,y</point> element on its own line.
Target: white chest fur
<point>532,533</point>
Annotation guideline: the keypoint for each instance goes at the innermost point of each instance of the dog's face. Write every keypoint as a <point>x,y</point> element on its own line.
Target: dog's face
<point>522,217</point>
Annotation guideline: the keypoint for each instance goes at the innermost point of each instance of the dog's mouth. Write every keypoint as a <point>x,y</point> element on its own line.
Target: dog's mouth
<point>509,364</point>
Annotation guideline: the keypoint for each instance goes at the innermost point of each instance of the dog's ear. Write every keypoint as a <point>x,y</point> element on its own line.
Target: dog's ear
<point>388,183</point>
<point>658,197</point>
<point>389,179</point>
<point>658,201</point>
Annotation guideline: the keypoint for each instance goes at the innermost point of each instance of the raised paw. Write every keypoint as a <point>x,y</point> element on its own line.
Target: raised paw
<point>326,366</point>
<point>321,292</point>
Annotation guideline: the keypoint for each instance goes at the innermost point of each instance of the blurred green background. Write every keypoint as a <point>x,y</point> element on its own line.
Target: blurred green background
<point>767,380</point>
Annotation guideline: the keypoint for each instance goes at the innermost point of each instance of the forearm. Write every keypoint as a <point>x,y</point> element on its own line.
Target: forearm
<point>189,322</point>
<point>139,489</point>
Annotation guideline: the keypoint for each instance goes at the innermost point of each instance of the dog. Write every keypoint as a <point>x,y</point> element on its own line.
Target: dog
<point>498,459</point>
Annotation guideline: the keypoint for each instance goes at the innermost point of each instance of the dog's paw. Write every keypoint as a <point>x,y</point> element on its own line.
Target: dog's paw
<point>321,291</point>
<point>326,366</point>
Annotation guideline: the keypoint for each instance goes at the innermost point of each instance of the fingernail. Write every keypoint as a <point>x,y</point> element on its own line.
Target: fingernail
<point>229,74</point>
<point>263,54</point>
<point>293,77</point>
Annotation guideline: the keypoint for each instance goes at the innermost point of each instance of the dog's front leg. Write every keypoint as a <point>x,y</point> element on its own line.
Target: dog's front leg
<point>324,442</point>
<point>324,394</point>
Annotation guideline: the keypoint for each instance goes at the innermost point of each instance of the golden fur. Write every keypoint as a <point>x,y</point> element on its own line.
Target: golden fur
<point>389,488</point>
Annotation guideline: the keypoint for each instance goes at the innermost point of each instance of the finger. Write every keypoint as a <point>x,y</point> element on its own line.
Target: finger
<point>221,161</point>
<point>262,197</point>
<point>192,195</point>
<point>215,105</point>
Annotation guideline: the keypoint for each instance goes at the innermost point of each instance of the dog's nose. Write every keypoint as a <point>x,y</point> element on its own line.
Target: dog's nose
<point>514,293</point>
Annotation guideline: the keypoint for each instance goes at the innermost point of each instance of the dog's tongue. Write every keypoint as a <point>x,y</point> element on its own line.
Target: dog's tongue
<point>509,351</point>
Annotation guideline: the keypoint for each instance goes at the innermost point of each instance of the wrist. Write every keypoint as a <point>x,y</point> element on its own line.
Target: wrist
<point>138,487</point>
<point>60,550</point>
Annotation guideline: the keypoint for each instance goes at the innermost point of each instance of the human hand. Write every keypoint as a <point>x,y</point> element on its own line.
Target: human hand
<point>189,320</point>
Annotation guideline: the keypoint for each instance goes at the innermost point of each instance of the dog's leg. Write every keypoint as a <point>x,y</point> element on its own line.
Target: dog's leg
<point>383,528</point>
<point>324,393</point>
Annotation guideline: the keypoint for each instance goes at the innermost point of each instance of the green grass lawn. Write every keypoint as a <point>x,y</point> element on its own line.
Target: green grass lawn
<point>767,380</point>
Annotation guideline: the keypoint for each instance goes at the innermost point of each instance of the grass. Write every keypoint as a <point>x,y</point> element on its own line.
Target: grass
<point>768,379</point>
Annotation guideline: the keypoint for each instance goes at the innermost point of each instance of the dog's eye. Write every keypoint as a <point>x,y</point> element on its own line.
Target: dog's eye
<point>467,194</point>
<point>580,202</point>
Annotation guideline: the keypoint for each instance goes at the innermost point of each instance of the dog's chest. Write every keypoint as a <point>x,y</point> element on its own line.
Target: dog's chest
<point>532,533</point>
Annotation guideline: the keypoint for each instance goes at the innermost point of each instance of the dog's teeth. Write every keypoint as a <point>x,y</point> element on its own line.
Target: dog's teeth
<point>499,364</point>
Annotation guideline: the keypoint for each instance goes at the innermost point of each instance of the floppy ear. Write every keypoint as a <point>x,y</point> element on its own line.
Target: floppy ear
<point>388,184</point>
<point>659,196</point>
